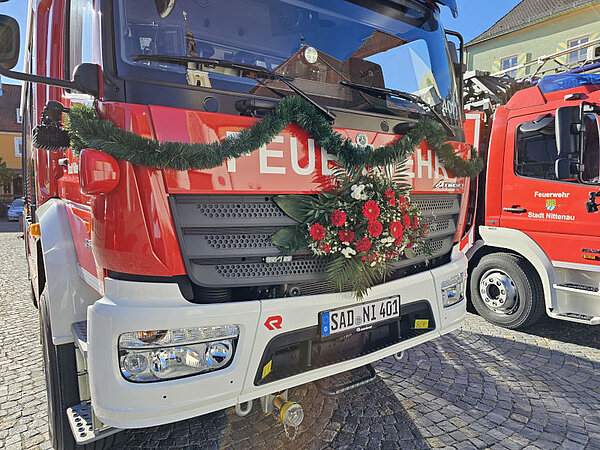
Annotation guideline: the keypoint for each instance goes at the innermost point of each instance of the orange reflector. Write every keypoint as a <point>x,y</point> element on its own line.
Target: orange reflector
<point>34,229</point>
<point>88,226</point>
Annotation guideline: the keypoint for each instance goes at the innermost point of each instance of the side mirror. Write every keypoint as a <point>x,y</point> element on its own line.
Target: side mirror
<point>9,42</point>
<point>563,169</point>
<point>86,78</point>
<point>569,127</point>
<point>453,52</point>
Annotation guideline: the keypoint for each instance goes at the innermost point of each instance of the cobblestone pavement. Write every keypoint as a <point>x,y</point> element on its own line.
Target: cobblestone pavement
<point>479,387</point>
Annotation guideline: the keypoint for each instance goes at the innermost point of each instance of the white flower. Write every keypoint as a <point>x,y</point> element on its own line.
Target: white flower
<point>348,252</point>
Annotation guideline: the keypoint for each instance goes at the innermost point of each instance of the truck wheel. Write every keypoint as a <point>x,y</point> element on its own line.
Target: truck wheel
<point>61,386</point>
<point>506,291</point>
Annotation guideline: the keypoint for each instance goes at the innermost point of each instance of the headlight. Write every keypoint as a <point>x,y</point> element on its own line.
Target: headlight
<point>166,354</point>
<point>453,289</point>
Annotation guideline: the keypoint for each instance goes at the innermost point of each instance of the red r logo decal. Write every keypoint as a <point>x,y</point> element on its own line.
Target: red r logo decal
<point>273,322</point>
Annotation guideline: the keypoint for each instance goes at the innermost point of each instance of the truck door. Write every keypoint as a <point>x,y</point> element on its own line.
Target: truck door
<point>551,212</point>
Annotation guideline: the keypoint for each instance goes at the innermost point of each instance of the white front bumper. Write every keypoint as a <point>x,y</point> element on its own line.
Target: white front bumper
<point>132,306</point>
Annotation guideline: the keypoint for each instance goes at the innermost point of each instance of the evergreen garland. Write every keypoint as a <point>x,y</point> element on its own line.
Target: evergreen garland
<point>88,130</point>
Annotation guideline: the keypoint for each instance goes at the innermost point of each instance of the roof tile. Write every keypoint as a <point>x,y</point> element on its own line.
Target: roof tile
<point>527,13</point>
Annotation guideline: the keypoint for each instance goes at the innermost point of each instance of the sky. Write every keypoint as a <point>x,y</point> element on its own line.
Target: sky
<point>475,16</point>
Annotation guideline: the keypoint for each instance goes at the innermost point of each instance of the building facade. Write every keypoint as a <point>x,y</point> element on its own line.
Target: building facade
<point>534,29</point>
<point>11,140</point>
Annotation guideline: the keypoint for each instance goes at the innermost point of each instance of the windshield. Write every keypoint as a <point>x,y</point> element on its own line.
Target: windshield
<point>318,44</point>
<point>17,203</point>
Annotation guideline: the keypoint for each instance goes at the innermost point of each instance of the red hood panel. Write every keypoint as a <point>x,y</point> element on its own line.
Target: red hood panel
<point>291,163</point>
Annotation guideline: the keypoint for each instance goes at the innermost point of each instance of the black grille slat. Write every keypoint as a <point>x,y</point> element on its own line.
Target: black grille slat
<point>437,205</point>
<point>229,211</point>
<point>225,240</point>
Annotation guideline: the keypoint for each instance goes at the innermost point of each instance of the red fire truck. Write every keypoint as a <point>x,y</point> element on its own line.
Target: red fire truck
<point>534,246</point>
<point>160,295</point>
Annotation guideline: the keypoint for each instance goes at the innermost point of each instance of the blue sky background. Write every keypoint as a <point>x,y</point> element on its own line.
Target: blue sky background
<point>475,16</point>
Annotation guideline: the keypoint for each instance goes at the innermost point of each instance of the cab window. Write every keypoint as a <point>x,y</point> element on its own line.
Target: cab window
<point>591,152</point>
<point>536,154</point>
<point>82,45</point>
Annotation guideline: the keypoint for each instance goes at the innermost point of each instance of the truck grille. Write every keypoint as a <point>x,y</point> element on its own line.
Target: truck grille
<point>224,240</point>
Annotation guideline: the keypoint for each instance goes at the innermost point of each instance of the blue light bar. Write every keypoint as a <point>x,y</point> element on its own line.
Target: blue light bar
<point>553,83</point>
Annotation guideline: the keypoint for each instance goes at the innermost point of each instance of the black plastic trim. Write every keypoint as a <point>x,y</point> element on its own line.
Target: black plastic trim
<point>304,350</point>
<point>183,281</point>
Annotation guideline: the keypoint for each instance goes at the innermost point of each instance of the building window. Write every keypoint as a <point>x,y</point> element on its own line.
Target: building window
<point>507,63</point>
<point>18,115</point>
<point>577,55</point>
<point>18,147</point>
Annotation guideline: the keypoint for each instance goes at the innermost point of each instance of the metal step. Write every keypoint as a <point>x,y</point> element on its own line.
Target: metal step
<point>79,330</point>
<point>576,287</point>
<point>575,317</point>
<point>80,419</point>
<point>346,381</point>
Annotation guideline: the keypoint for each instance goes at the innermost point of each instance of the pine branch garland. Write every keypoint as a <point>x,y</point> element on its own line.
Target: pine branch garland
<point>88,130</point>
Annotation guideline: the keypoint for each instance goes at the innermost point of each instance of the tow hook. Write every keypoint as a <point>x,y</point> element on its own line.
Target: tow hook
<point>398,356</point>
<point>243,409</point>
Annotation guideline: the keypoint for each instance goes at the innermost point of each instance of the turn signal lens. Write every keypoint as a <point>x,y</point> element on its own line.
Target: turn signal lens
<point>34,230</point>
<point>150,337</point>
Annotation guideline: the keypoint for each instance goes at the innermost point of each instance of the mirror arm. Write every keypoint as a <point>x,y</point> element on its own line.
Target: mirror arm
<point>40,79</point>
<point>461,58</point>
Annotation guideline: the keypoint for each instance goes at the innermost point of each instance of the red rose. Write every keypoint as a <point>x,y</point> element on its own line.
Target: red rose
<point>406,221</point>
<point>371,210</point>
<point>398,242</point>
<point>346,235</point>
<point>324,247</point>
<point>374,228</point>
<point>415,223</point>
<point>363,245</point>
<point>402,199</point>
<point>317,231</point>
<point>392,201</point>
<point>396,230</point>
<point>338,218</point>
<point>389,193</point>
<point>372,257</point>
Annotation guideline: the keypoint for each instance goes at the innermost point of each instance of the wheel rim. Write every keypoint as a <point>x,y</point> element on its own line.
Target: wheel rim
<point>499,292</point>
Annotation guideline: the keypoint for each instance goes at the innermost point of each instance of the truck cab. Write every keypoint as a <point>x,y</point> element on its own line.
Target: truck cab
<point>161,296</point>
<point>537,245</point>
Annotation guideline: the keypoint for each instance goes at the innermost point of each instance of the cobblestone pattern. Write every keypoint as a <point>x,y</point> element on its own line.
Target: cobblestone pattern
<point>481,387</point>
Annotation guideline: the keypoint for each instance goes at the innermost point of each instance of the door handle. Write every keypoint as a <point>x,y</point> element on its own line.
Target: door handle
<point>515,210</point>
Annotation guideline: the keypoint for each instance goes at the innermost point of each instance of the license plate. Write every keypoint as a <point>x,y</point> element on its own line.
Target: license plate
<point>360,317</point>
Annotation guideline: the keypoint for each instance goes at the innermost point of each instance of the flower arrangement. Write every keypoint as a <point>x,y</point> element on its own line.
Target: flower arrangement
<point>362,223</point>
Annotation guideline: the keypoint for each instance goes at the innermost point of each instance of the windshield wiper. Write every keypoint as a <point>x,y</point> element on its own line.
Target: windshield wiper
<point>246,71</point>
<point>379,92</point>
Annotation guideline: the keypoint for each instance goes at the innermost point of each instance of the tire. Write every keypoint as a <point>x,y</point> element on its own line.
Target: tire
<point>506,291</point>
<point>61,387</point>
